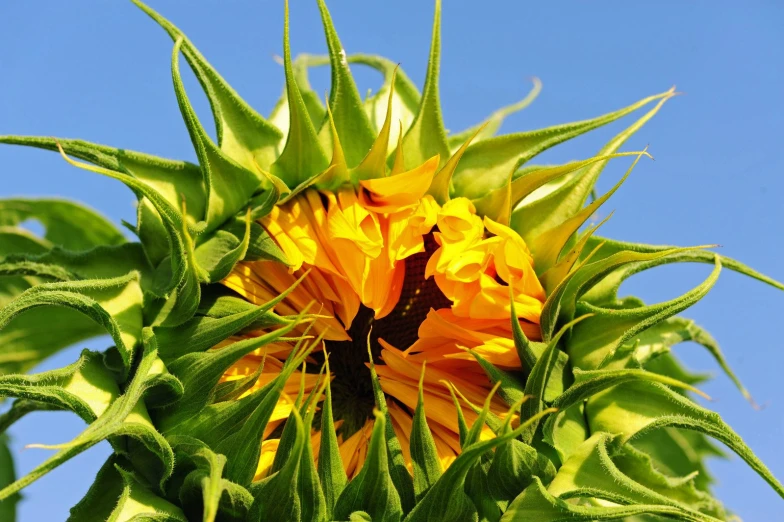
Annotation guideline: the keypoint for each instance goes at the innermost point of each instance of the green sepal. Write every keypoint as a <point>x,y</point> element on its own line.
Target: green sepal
<point>462,427</point>
<point>537,382</point>
<point>101,262</point>
<point>547,246</point>
<point>314,502</point>
<point>401,478</point>
<point>244,420</point>
<point>441,186</point>
<point>477,487</point>
<point>204,494</point>
<point>651,345</point>
<point>261,247</point>
<point>374,164</point>
<point>137,503</point>
<point>591,472</point>
<point>607,289</point>
<point>243,134</point>
<point>446,500</point>
<point>232,390</point>
<point>229,185</point>
<point>302,158</point>
<point>426,136</point>
<point>219,318</point>
<point>639,466</point>
<point>535,503</point>
<point>484,417</point>
<point>396,86</point>
<point>331,473</point>
<point>67,224</point>
<point>372,490</point>
<point>114,304</point>
<point>567,428</point>
<point>351,122</point>
<point>488,164</point>
<point>125,415</point>
<point>511,389</point>
<point>562,302</point>
<point>562,200</point>
<point>217,255</point>
<point>424,454</point>
<point>178,284</point>
<point>84,387</point>
<point>679,452</point>
<point>173,181</point>
<point>7,476</point>
<point>553,276</point>
<point>201,371</point>
<point>595,341</point>
<point>635,407</point>
<point>513,468</point>
<point>104,493</point>
<point>490,126</point>
<point>496,204</point>
<point>276,498</point>
<point>314,107</point>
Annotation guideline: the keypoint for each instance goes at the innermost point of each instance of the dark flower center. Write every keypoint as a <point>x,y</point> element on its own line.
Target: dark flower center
<point>352,388</point>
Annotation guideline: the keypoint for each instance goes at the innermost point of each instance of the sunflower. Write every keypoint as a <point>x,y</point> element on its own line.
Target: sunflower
<point>345,313</point>
<point>421,282</point>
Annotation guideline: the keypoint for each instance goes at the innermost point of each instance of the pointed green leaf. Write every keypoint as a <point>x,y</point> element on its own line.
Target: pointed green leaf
<point>596,339</point>
<point>243,134</point>
<point>84,387</point>
<point>276,495</point>
<point>537,382</point>
<point>114,304</point>
<point>424,454</point>
<point>635,407</point>
<point>126,415</point>
<point>566,199</point>
<point>181,290</point>
<point>426,137</point>
<point>314,107</point>
<point>302,158</point>
<point>547,246</point>
<point>229,185</point>
<point>404,95</point>
<point>401,478</point>
<point>67,224</point>
<point>446,501</point>
<point>330,467</point>
<point>201,371</point>
<point>372,490</point>
<point>351,122</point>
<point>513,468</point>
<point>218,254</point>
<point>204,494</point>
<point>374,164</point>
<point>607,290</point>
<point>535,503</point>
<point>138,502</point>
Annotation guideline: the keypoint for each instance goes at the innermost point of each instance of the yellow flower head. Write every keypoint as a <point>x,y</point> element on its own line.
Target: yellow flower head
<point>385,264</point>
<point>344,312</point>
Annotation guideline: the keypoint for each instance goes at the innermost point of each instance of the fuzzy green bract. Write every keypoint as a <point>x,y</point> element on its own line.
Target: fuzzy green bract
<point>601,404</point>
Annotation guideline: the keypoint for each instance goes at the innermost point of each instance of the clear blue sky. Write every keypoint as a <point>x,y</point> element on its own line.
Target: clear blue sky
<point>100,71</point>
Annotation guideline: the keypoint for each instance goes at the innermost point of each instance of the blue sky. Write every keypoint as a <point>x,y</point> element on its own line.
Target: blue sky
<point>100,71</point>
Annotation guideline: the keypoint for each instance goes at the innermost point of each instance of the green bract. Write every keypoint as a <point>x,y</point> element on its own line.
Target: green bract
<point>602,401</point>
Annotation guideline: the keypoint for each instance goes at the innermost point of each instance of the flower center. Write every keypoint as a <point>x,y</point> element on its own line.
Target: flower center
<point>352,387</point>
